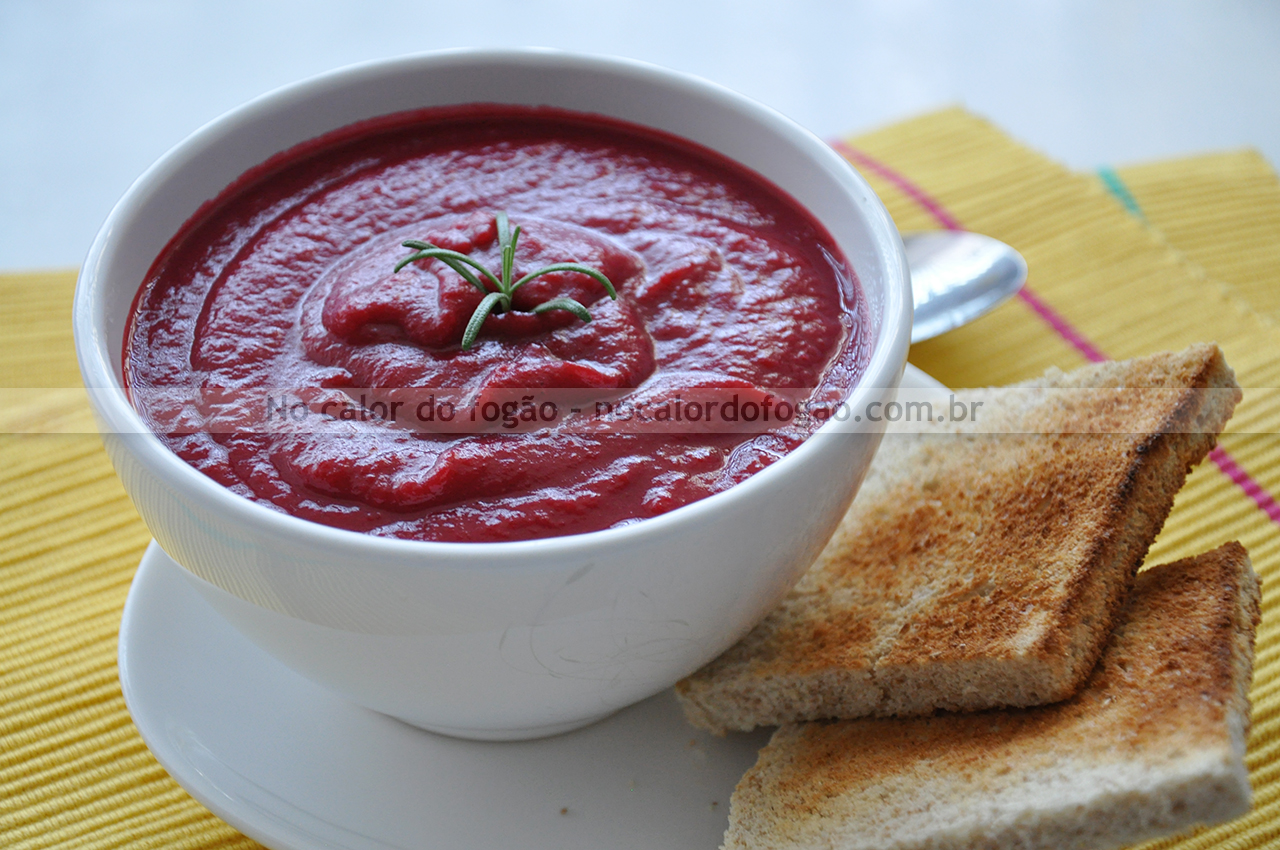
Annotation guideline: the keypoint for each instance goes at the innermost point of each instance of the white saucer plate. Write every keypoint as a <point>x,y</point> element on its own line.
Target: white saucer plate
<point>297,768</point>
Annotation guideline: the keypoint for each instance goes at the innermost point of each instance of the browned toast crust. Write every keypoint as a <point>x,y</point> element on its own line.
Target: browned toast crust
<point>1153,743</point>
<point>981,566</point>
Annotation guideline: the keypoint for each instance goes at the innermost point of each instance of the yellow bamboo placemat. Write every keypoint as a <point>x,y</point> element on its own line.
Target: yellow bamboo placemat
<point>73,771</point>
<point>1195,203</point>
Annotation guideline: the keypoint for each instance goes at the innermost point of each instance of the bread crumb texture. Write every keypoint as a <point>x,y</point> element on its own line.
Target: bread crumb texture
<point>982,565</point>
<point>1152,744</point>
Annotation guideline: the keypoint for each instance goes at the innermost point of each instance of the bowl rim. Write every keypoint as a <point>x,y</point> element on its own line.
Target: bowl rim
<point>105,388</point>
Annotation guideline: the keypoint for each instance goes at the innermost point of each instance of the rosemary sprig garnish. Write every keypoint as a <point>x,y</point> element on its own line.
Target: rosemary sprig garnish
<point>498,298</point>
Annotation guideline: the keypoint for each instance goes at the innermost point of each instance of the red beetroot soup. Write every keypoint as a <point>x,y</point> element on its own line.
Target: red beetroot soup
<point>274,347</point>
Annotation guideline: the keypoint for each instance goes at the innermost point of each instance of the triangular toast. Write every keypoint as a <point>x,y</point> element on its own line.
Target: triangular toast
<point>1152,744</point>
<point>983,562</point>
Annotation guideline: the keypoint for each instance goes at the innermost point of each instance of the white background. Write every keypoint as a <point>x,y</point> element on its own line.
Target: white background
<point>92,92</point>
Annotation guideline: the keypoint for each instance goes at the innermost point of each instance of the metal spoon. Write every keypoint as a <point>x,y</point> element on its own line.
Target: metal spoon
<point>957,277</point>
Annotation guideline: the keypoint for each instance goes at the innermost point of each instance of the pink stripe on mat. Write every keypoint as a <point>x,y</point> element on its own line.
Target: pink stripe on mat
<point>904,185</point>
<point>1246,482</point>
<point>1055,320</point>
<point>930,205</point>
<point>1061,326</point>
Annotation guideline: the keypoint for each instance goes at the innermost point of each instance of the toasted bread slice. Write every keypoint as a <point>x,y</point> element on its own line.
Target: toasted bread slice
<point>1154,743</point>
<point>982,564</point>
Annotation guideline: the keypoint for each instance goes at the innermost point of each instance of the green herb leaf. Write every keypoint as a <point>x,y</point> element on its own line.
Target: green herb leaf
<point>568,267</point>
<point>499,298</point>
<point>506,244</point>
<point>477,318</point>
<point>453,259</point>
<point>563,303</point>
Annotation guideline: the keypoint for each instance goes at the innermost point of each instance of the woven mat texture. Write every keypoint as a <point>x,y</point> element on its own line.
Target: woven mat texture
<point>1123,262</point>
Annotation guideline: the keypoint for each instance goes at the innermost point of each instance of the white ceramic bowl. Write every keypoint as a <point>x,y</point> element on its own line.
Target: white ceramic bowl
<point>495,640</point>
